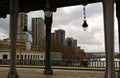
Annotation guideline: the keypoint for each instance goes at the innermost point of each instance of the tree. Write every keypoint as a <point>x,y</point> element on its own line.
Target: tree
<point>67,52</point>
<point>80,55</point>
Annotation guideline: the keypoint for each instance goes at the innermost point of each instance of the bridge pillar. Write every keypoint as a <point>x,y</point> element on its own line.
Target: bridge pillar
<point>48,13</point>
<point>108,9</point>
<point>14,9</point>
<point>118,17</point>
<point>48,23</point>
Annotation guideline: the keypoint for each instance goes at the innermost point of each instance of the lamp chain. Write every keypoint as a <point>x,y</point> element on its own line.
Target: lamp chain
<point>84,11</point>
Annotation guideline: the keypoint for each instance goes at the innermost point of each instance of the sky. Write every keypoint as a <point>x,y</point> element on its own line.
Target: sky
<point>71,19</point>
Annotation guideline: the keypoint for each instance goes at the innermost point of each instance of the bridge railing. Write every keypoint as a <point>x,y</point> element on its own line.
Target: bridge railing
<point>73,63</point>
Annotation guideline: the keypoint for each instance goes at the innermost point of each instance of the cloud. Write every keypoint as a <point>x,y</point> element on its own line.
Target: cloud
<point>4,27</point>
<point>93,10</point>
<point>71,19</point>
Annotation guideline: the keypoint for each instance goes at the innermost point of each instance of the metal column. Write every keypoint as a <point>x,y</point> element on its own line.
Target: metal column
<point>108,9</point>
<point>48,23</point>
<point>14,9</point>
<point>118,17</point>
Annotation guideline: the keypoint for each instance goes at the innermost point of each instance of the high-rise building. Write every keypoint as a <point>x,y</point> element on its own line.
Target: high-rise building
<point>38,32</point>
<point>60,35</point>
<point>22,23</point>
<point>78,48</point>
<point>69,41</point>
<point>75,44</point>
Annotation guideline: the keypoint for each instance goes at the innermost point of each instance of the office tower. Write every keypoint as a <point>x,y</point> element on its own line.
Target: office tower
<point>22,23</point>
<point>69,41</point>
<point>60,35</point>
<point>75,44</point>
<point>38,32</point>
<point>78,48</point>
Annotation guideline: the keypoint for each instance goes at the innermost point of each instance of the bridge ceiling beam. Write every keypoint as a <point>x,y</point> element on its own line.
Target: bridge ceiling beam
<point>33,5</point>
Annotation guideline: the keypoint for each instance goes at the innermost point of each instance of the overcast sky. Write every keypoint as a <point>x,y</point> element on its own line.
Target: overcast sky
<point>71,19</point>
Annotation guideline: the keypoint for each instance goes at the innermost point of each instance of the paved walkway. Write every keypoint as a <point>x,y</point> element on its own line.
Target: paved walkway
<point>38,73</point>
<point>59,67</point>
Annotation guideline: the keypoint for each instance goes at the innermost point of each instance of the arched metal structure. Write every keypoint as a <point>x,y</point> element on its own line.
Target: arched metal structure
<point>12,7</point>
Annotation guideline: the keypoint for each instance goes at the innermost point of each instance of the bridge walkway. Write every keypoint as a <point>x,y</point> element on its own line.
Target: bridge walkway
<point>59,72</point>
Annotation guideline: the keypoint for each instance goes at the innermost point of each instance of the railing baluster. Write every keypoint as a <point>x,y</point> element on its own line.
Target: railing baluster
<point>73,63</point>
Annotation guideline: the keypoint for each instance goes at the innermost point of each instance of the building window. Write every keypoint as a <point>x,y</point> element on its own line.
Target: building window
<point>5,56</point>
<point>22,57</point>
<point>41,56</point>
<point>31,57</point>
<point>17,56</point>
<point>25,57</point>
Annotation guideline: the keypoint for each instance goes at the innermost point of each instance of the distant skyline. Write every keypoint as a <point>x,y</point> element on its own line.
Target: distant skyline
<point>71,19</point>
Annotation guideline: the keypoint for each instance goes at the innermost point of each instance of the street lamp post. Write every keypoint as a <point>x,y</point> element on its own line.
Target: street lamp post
<point>14,9</point>
<point>48,23</point>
